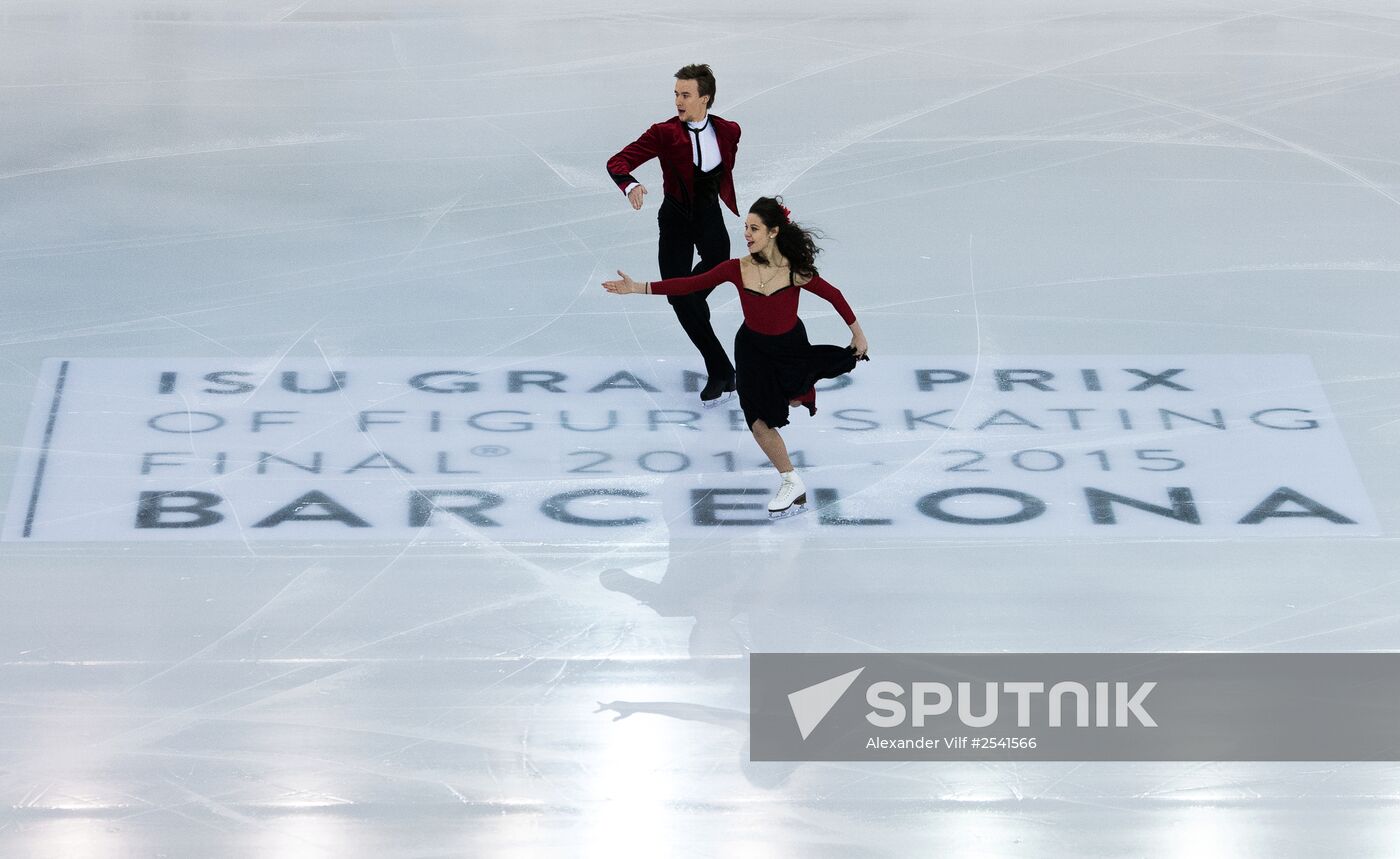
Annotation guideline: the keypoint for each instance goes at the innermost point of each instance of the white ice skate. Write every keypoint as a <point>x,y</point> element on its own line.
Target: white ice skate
<point>791,498</point>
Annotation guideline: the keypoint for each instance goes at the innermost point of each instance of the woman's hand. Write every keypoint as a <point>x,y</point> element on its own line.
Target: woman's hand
<point>622,708</point>
<point>625,286</point>
<point>858,341</point>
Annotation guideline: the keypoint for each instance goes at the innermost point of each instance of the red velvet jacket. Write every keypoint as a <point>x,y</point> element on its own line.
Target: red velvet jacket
<point>670,142</point>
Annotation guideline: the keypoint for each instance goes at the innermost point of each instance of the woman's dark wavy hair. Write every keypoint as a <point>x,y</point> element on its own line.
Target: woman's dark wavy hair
<point>797,244</point>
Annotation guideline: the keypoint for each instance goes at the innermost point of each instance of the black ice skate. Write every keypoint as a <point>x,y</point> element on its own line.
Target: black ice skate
<point>717,392</point>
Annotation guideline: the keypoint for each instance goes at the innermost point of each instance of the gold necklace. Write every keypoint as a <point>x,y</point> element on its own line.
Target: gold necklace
<point>763,284</point>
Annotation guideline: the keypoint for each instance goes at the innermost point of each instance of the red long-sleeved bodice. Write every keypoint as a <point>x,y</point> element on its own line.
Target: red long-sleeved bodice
<point>774,313</point>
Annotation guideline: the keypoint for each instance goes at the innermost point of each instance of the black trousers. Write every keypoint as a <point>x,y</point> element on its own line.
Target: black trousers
<point>683,232</point>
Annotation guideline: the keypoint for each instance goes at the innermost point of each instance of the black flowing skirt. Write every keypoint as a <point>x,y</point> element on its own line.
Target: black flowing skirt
<point>774,369</point>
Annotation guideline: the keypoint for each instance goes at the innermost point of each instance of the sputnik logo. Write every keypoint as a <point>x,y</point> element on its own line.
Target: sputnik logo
<point>810,705</point>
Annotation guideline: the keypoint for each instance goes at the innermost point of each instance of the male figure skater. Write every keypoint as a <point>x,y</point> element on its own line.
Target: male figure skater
<point>696,150</point>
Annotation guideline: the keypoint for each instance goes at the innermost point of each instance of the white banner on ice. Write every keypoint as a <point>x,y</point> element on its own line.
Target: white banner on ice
<point>583,450</point>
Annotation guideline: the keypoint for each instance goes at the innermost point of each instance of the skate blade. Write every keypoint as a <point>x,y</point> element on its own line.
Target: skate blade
<point>790,512</point>
<point>718,401</point>
<point>798,505</point>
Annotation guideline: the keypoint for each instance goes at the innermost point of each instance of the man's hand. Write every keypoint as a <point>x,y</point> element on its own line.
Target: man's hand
<point>635,196</point>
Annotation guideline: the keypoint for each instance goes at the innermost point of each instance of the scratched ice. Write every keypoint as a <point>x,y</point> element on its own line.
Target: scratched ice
<point>314,184</point>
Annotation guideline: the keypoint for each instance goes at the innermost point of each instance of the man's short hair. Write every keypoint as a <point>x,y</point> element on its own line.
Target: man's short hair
<point>704,79</point>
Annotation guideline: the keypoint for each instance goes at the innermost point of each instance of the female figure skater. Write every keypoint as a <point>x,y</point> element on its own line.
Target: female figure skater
<point>775,363</point>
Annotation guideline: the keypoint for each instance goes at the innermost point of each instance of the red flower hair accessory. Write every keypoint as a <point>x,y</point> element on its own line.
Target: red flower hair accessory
<point>787,213</point>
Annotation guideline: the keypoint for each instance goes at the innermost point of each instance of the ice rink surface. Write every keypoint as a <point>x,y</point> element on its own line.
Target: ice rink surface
<point>333,181</point>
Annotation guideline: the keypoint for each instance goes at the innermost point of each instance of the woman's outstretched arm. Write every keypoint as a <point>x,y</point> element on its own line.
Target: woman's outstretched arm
<point>725,271</point>
<point>820,287</point>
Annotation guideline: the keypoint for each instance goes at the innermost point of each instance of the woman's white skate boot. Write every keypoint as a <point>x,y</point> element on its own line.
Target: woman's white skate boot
<point>791,498</point>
